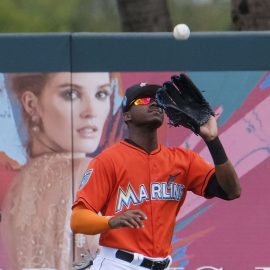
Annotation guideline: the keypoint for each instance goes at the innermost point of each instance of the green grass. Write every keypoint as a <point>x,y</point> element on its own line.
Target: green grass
<point>102,15</point>
<point>204,17</point>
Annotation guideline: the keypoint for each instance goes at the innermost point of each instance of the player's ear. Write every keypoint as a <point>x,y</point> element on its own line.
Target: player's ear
<point>127,116</point>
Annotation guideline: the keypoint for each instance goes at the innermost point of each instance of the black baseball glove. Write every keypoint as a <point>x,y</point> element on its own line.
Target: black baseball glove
<point>184,103</point>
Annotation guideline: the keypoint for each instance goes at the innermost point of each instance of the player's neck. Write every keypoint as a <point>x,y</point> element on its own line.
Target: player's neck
<point>146,141</point>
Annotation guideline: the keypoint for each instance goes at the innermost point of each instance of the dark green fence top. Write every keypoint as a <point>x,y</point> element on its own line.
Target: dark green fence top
<point>203,51</point>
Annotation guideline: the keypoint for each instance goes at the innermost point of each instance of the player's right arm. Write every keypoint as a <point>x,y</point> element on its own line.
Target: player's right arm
<point>88,222</point>
<point>129,218</point>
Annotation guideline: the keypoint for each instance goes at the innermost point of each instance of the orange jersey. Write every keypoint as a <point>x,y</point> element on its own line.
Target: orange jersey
<point>126,177</point>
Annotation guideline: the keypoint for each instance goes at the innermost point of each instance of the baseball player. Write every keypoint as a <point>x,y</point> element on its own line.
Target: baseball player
<point>139,186</point>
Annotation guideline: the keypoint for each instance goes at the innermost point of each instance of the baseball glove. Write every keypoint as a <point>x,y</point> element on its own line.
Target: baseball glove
<point>183,103</point>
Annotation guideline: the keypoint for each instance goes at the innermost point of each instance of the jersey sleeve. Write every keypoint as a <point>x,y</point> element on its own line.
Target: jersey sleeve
<point>96,185</point>
<point>199,173</point>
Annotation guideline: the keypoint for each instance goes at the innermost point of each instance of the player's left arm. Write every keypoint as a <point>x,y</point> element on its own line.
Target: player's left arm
<point>224,183</point>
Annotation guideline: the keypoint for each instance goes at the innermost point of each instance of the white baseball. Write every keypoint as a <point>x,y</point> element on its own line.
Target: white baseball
<point>181,31</point>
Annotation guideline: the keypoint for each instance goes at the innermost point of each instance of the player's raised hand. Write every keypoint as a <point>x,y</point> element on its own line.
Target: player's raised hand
<point>209,130</point>
<point>130,218</point>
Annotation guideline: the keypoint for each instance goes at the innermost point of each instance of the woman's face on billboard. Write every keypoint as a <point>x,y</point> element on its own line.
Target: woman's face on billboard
<point>78,102</point>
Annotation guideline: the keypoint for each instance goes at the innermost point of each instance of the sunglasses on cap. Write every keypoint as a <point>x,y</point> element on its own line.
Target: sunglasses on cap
<point>142,101</point>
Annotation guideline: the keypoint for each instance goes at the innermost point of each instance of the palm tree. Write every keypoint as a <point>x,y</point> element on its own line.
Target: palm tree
<point>144,15</point>
<point>250,14</point>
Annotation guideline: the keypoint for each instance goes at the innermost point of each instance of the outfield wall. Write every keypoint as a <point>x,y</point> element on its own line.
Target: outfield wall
<point>233,70</point>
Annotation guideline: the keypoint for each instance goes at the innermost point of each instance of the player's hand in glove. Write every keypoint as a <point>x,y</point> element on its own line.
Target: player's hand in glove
<point>130,218</point>
<point>184,104</point>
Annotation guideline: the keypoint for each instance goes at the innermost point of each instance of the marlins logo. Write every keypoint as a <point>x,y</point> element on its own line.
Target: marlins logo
<point>86,177</point>
<point>162,191</point>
